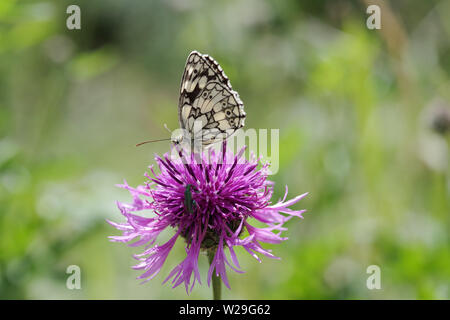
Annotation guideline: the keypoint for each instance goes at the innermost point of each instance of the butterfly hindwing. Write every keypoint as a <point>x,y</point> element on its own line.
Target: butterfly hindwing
<point>207,99</point>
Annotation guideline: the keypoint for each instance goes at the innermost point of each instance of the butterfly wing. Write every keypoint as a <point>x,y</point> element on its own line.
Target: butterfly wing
<point>208,101</point>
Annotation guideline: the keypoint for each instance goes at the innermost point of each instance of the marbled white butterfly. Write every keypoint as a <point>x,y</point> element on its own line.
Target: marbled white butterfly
<point>209,109</point>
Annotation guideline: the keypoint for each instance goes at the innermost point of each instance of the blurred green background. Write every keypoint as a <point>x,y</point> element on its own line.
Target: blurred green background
<point>355,109</point>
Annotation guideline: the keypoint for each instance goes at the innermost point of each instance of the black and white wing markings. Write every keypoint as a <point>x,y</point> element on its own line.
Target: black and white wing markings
<point>217,69</point>
<point>218,114</point>
<point>206,96</point>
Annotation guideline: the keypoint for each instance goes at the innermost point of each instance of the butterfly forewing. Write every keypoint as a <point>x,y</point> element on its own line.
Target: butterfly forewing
<point>208,101</point>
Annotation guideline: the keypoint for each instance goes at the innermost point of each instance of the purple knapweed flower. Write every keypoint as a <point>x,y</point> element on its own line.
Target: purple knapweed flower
<point>227,191</point>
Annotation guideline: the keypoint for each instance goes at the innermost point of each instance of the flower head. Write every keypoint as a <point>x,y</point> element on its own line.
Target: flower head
<point>209,203</point>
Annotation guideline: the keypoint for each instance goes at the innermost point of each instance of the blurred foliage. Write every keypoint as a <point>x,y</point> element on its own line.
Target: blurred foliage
<point>354,108</point>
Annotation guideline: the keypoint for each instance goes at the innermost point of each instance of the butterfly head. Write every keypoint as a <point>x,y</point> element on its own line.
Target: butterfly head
<point>177,139</point>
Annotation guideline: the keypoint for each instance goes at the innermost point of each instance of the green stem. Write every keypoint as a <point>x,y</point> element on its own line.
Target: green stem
<point>216,283</point>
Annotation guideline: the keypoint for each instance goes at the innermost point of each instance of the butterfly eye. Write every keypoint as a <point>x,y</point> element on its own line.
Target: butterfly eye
<point>228,112</point>
<point>195,70</point>
<point>224,104</point>
<point>210,97</point>
<point>205,94</point>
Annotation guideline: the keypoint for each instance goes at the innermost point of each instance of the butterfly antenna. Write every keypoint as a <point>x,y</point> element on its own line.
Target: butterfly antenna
<point>167,128</point>
<point>150,141</point>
